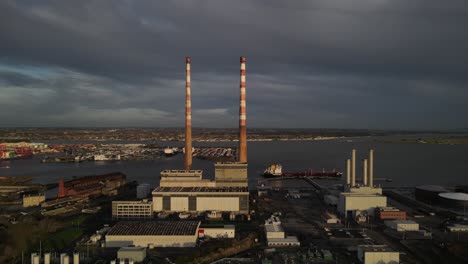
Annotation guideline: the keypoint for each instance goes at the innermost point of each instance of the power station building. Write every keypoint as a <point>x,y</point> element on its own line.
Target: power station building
<point>186,190</point>
<point>201,199</point>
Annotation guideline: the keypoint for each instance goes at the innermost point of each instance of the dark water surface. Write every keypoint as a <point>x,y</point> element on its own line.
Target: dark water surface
<point>408,164</point>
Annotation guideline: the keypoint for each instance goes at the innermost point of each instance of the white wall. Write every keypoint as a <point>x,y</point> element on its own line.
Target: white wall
<point>218,203</point>
<point>179,204</point>
<point>157,204</point>
<point>156,241</point>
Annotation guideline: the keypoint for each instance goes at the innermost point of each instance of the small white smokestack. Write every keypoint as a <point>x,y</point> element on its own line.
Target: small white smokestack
<point>348,171</point>
<point>364,180</point>
<point>371,168</point>
<point>353,168</point>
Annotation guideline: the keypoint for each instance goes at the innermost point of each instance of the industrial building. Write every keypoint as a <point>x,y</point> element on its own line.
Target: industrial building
<point>132,209</point>
<point>136,254</point>
<point>353,204</point>
<point>402,225</point>
<point>217,231</point>
<point>184,178</point>
<point>276,236</point>
<point>231,174</point>
<point>153,234</point>
<point>389,213</point>
<point>33,200</point>
<point>454,200</point>
<point>377,254</point>
<point>93,185</point>
<point>201,199</point>
<point>186,190</point>
<point>367,185</point>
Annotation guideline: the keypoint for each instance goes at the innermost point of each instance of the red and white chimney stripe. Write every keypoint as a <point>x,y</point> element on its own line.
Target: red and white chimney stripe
<point>242,115</point>
<point>188,118</point>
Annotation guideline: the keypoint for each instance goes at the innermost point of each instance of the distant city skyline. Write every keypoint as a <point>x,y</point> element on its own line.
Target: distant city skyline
<point>310,64</point>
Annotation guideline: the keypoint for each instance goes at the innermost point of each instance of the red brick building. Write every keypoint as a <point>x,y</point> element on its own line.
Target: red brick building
<point>389,213</point>
<point>93,185</point>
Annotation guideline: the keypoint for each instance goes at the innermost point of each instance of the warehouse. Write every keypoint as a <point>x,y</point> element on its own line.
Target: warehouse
<point>376,254</point>
<point>132,209</point>
<point>153,234</point>
<point>201,199</point>
<point>350,204</point>
<point>402,225</point>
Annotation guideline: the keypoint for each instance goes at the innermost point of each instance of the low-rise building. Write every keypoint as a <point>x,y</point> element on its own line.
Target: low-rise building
<point>153,234</point>
<point>136,254</point>
<point>389,213</point>
<point>132,209</point>
<point>33,200</point>
<point>402,225</point>
<point>276,236</point>
<point>457,228</point>
<point>377,254</point>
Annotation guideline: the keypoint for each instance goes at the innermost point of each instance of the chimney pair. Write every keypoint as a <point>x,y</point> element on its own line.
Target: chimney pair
<point>242,150</point>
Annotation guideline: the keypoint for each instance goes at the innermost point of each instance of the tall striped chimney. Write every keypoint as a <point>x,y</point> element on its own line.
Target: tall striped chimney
<point>353,168</point>
<point>188,118</point>
<point>242,115</point>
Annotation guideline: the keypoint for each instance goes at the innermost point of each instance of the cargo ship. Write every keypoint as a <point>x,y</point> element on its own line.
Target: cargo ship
<point>276,170</point>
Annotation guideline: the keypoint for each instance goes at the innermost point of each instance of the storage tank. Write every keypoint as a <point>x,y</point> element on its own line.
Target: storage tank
<point>429,193</point>
<point>455,200</point>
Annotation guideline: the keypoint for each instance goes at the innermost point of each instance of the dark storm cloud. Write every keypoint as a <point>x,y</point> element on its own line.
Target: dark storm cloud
<point>329,63</point>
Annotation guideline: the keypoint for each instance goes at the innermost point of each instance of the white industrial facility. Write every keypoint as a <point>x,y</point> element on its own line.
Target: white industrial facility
<point>360,199</point>
<point>377,254</point>
<point>153,234</point>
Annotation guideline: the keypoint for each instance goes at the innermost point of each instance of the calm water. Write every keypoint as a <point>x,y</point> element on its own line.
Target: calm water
<point>407,164</point>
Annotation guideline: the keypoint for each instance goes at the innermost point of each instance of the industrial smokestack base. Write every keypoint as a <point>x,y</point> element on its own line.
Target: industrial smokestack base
<point>188,117</point>
<point>242,155</point>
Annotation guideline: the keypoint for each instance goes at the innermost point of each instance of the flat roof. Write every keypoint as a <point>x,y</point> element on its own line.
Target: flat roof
<point>132,249</point>
<point>181,171</point>
<point>455,196</point>
<point>154,228</point>
<point>376,248</point>
<point>361,194</point>
<point>274,228</point>
<point>200,189</point>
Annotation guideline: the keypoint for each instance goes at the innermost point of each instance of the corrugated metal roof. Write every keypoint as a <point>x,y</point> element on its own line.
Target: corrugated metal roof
<point>154,228</point>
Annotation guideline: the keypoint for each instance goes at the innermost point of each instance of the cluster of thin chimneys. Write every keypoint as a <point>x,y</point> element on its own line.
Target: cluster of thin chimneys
<point>242,150</point>
<point>368,170</point>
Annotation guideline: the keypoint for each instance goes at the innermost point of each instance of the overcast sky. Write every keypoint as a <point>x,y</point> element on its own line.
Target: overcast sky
<point>379,64</point>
